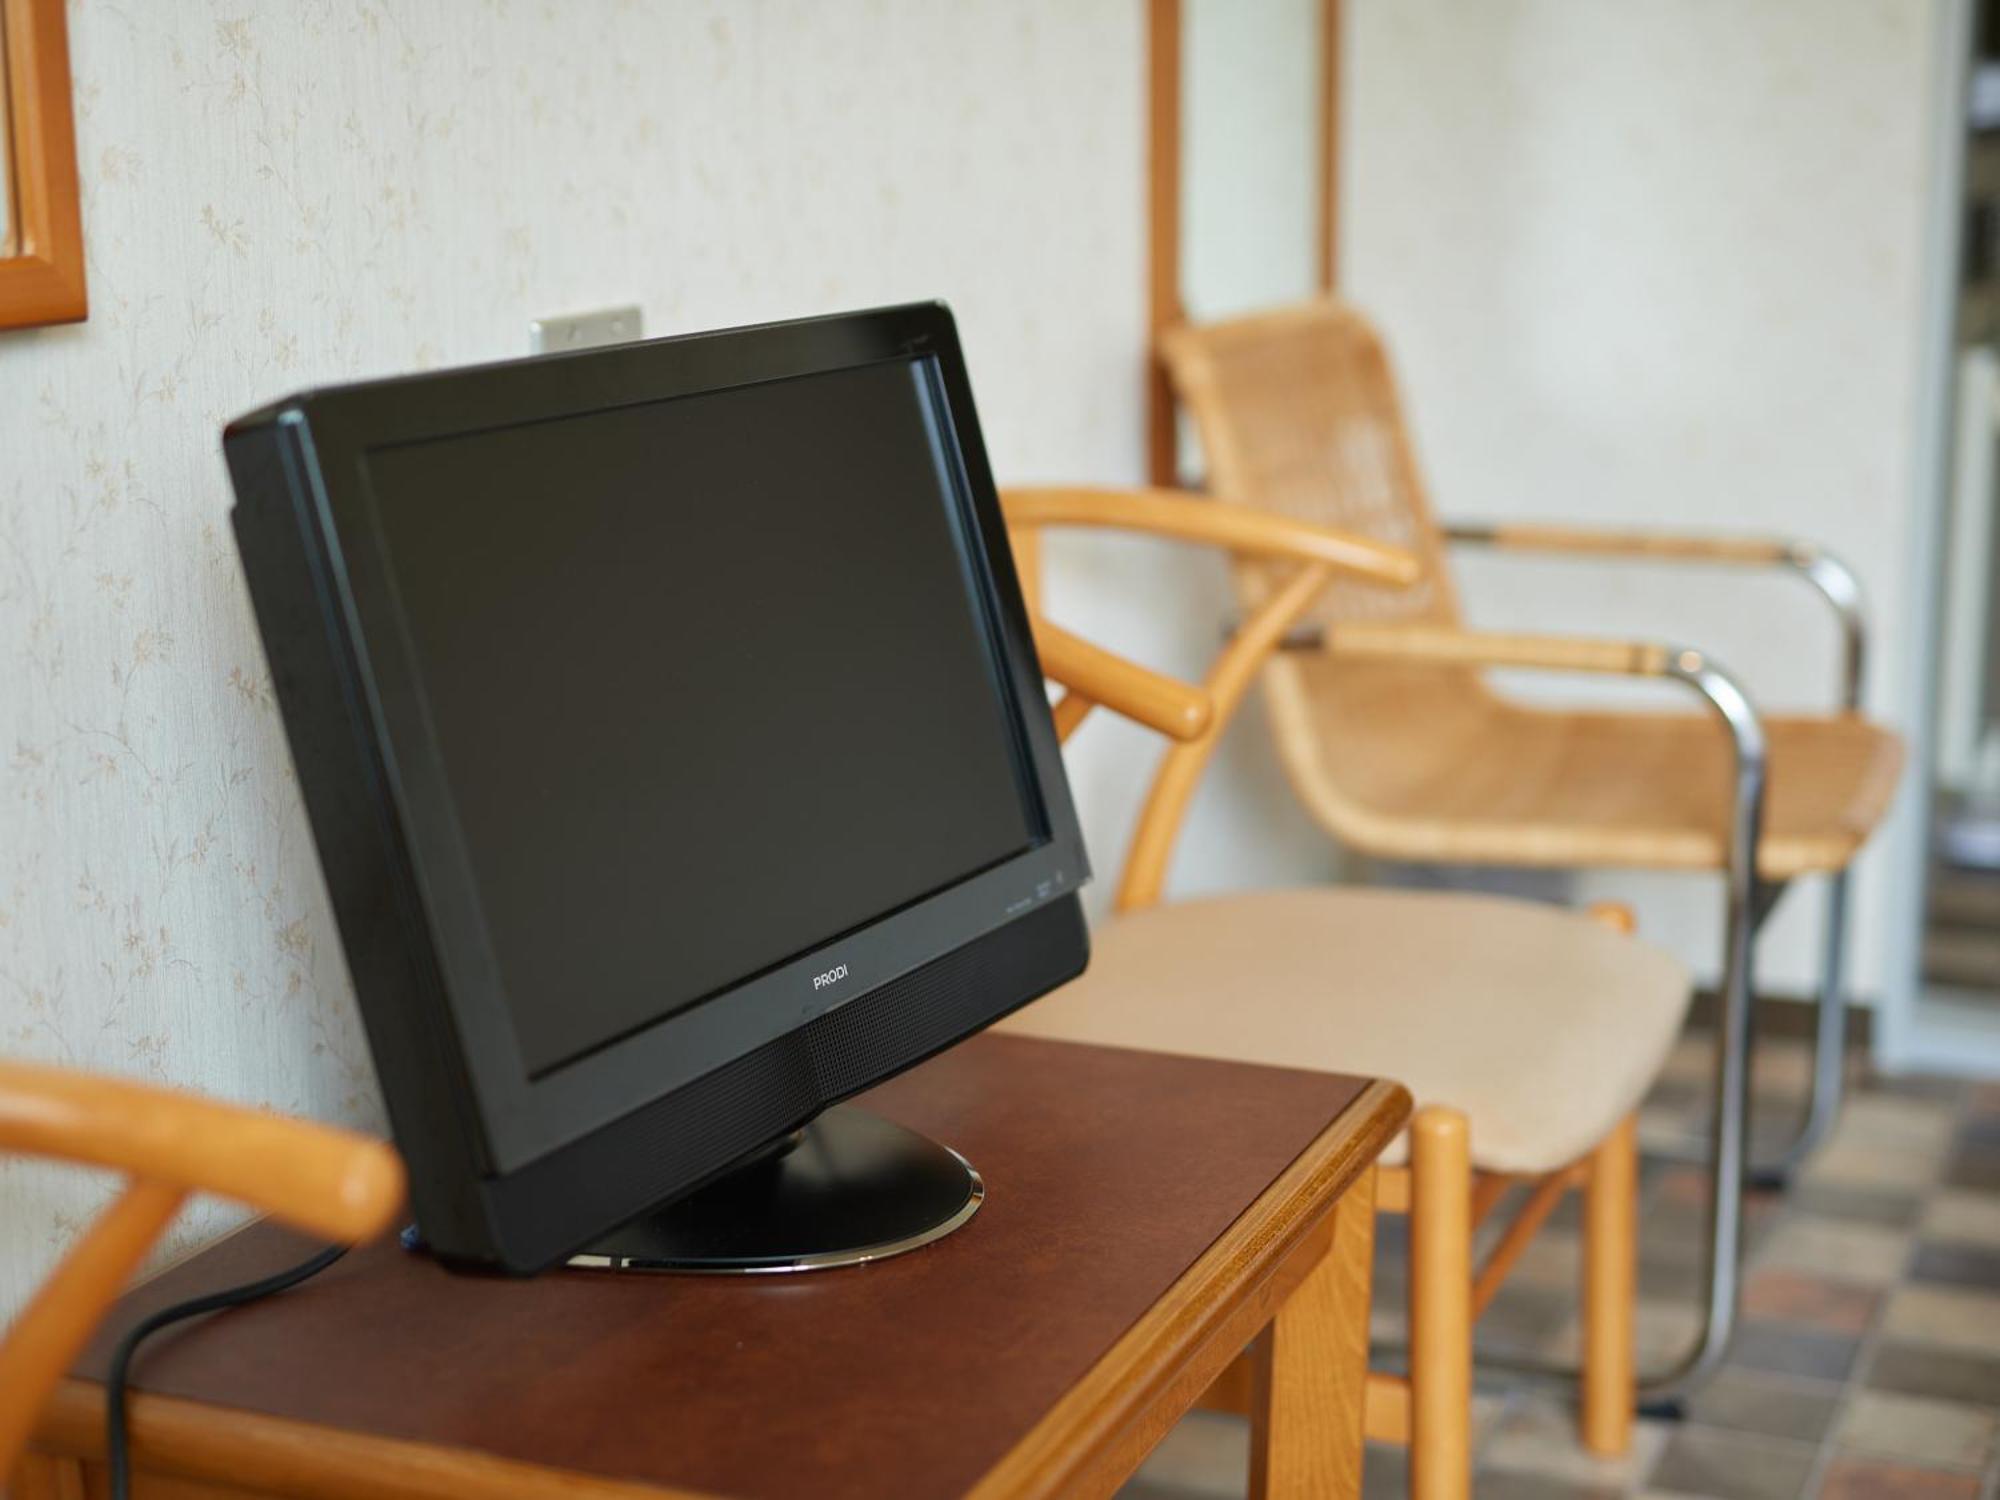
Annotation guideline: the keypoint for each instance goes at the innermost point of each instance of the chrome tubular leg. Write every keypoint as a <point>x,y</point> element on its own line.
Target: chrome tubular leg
<point>1729,1162</point>
<point>1837,584</point>
<point>1829,1066</point>
<point>1729,1144</point>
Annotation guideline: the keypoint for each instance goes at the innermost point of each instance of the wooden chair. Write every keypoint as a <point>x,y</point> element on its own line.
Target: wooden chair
<point>339,1186</point>
<point>1395,741</point>
<point>1527,1034</point>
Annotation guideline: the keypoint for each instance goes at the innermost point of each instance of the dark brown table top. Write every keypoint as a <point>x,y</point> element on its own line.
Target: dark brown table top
<point>1108,1173</point>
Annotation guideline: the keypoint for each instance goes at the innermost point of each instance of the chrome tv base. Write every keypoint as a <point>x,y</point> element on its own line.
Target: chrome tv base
<point>849,1188</point>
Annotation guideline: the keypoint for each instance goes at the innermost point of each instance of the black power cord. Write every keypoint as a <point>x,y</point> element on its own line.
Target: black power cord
<point>194,1307</point>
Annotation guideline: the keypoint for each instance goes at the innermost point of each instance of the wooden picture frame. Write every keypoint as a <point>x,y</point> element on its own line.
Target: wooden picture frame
<point>41,261</point>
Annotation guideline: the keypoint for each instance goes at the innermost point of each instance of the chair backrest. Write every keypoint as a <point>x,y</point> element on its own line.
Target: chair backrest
<point>1298,416</point>
<point>331,1183</point>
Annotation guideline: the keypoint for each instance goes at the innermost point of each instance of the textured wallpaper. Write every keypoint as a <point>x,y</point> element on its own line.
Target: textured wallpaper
<point>306,191</point>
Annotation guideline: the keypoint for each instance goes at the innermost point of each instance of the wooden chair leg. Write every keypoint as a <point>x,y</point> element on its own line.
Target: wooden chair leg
<point>1610,1290</point>
<point>1440,1305</point>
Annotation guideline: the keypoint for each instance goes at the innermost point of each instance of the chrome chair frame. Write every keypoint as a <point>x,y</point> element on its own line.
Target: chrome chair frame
<point>1748,901</point>
<point>1838,586</point>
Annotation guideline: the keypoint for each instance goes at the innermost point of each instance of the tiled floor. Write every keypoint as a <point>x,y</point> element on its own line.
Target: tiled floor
<point>1868,1364</point>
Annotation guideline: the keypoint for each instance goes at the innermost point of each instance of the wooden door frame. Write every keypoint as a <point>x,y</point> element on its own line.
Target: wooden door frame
<point>1164,163</point>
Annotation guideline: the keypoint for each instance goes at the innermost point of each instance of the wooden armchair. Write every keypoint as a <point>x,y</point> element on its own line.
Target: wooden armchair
<point>1527,1034</point>
<point>1396,743</point>
<point>331,1183</point>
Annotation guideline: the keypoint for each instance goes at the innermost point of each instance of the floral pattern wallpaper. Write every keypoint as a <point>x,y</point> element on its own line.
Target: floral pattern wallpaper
<point>279,193</point>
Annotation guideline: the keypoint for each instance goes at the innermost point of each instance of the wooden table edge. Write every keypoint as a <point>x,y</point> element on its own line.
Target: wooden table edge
<point>250,1452</point>
<point>1129,1398</point>
<point>1091,1440</point>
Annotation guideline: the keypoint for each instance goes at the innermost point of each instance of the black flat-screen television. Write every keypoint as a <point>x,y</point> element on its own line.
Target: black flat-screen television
<point>679,764</point>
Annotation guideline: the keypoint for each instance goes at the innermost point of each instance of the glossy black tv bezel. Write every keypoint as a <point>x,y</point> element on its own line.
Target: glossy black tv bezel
<point>301,466</point>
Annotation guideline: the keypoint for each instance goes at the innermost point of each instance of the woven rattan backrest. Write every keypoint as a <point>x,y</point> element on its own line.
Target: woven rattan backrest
<point>1298,415</point>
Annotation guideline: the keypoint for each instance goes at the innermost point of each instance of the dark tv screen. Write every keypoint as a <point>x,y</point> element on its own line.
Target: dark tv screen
<point>709,683</point>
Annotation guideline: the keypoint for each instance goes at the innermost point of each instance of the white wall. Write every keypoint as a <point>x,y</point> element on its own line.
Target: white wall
<point>281,193</point>
<point>1659,263</point>
<point>1250,153</point>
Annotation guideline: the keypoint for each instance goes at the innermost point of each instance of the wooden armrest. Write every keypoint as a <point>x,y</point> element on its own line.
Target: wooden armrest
<point>331,1183</point>
<point>1445,646</point>
<point>1180,516</point>
<point>1739,551</point>
<point>1158,701</point>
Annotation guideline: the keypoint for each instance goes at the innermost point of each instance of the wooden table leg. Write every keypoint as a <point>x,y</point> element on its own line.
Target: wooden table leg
<point>1309,1369</point>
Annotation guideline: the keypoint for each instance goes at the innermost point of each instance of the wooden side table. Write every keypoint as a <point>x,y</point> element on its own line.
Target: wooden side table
<point>1147,1218</point>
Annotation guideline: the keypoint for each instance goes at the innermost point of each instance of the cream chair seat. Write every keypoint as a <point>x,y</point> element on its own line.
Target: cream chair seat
<point>1540,1025</point>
